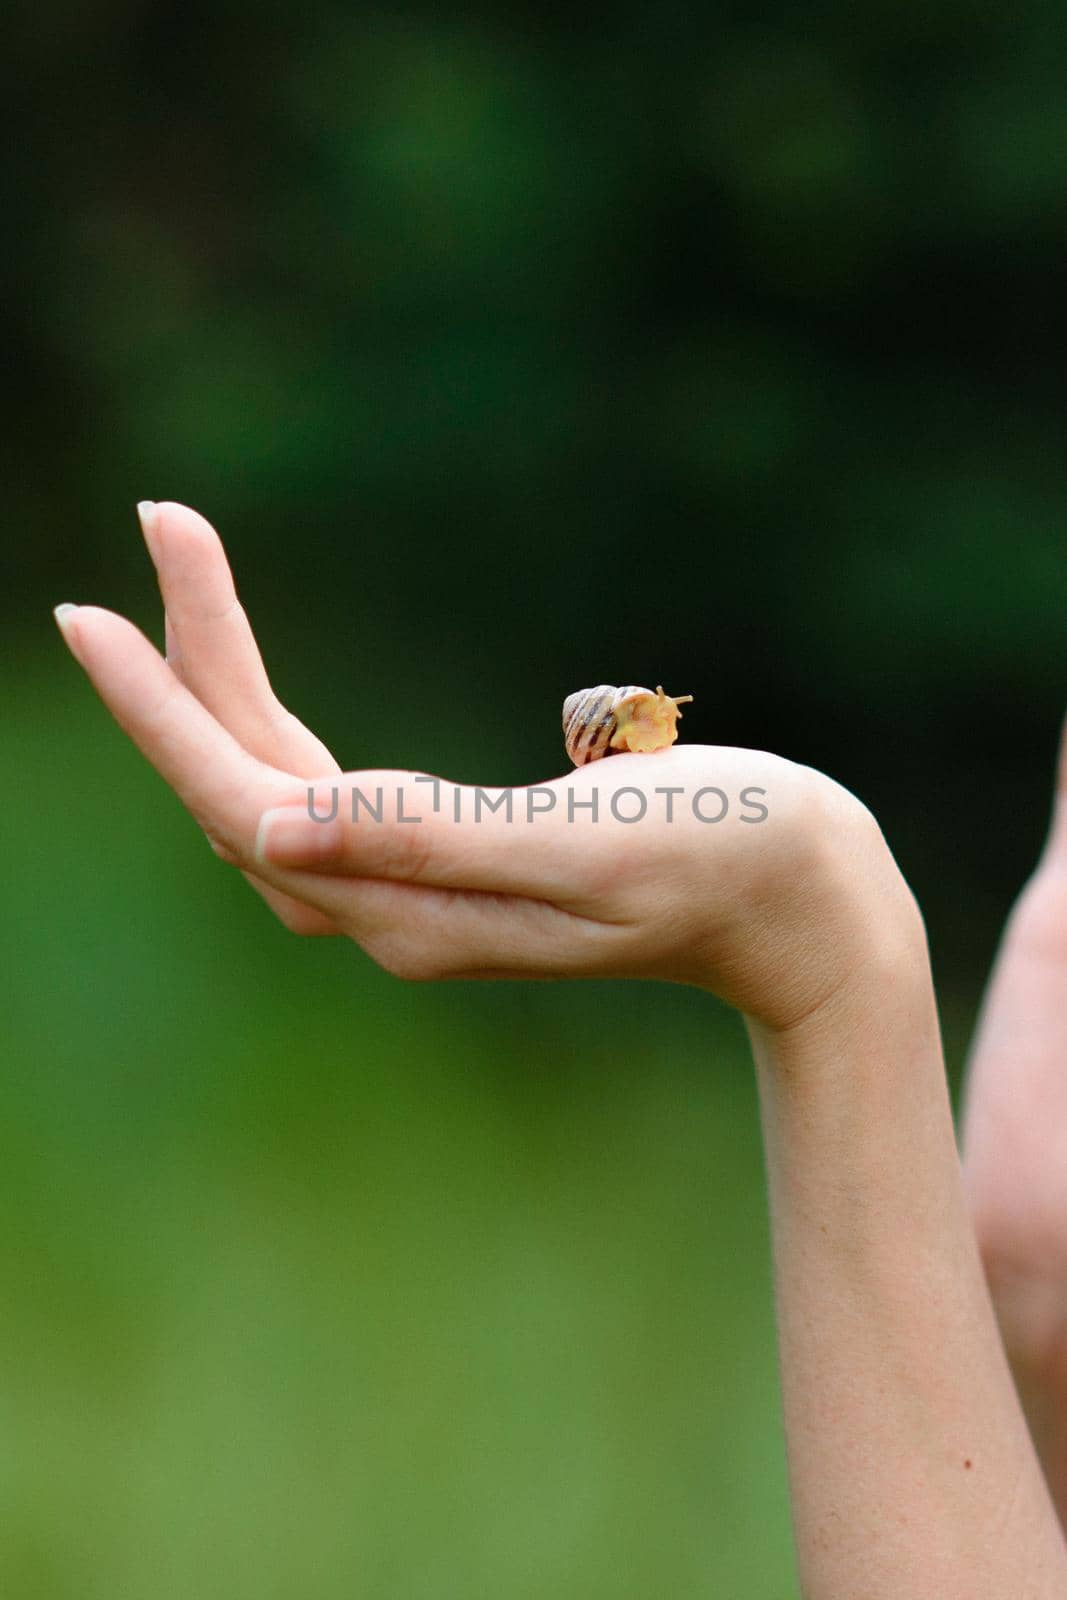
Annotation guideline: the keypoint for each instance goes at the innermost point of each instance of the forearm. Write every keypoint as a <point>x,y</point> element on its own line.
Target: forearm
<point>912,1470</point>
<point>1015,1157</point>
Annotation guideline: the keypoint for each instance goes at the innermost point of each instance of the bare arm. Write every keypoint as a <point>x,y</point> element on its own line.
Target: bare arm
<point>912,1470</point>
<point>893,1374</point>
<point>1015,1144</point>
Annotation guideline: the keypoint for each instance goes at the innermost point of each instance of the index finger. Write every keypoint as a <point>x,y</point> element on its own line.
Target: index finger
<point>224,787</point>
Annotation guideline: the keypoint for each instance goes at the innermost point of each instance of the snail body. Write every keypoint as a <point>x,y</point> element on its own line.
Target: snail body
<point>608,719</point>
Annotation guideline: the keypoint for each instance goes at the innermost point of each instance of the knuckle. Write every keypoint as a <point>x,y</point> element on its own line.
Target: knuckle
<point>410,850</point>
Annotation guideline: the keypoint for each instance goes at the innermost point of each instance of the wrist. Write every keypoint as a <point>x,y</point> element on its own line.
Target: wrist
<point>841,944</point>
<point>877,998</point>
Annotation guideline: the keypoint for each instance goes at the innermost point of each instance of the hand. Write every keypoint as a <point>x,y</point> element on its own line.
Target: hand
<point>774,915</point>
<point>1015,1128</point>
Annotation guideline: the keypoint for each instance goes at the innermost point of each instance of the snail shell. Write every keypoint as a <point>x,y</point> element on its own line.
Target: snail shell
<point>602,721</point>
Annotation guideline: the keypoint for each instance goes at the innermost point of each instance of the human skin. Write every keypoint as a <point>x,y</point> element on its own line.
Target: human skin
<point>1015,1143</point>
<point>912,1470</point>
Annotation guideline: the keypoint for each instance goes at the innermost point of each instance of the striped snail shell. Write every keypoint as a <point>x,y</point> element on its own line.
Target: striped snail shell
<point>605,720</point>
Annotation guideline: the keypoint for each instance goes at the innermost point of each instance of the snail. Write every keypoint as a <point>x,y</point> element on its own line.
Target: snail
<point>606,720</point>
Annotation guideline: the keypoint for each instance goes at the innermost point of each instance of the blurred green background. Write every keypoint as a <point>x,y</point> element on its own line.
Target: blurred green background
<point>511,349</point>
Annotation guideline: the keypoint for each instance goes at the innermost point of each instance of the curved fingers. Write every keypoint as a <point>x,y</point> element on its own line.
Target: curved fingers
<point>416,930</point>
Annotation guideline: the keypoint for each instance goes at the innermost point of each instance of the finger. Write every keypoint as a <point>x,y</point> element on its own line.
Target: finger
<point>211,644</point>
<point>211,648</point>
<point>224,787</point>
<point>425,933</point>
<point>413,829</point>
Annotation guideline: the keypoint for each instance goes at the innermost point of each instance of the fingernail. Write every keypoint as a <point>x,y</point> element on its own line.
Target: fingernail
<point>64,616</point>
<point>148,512</point>
<point>288,836</point>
